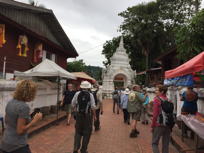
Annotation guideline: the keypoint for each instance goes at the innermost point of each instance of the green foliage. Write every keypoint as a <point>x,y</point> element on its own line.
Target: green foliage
<point>76,66</point>
<point>190,38</point>
<point>142,22</point>
<point>80,66</point>
<point>177,12</point>
<point>109,48</point>
<point>94,71</point>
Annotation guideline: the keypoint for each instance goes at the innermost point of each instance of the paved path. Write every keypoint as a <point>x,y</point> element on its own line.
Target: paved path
<point>112,138</point>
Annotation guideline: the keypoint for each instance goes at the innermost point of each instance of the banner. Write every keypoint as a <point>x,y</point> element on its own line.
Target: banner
<point>186,80</point>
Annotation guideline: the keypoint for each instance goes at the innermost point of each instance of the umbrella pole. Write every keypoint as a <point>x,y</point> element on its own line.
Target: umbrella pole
<point>58,92</point>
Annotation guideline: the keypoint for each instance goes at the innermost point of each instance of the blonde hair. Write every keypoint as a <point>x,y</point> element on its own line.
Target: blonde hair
<point>25,91</point>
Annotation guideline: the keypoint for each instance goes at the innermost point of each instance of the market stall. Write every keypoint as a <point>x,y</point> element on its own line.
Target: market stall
<point>81,76</point>
<point>48,68</point>
<point>191,74</point>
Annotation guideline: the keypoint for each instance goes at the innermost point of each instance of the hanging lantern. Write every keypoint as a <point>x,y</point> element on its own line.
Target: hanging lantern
<point>2,35</point>
<point>38,51</point>
<point>22,45</point>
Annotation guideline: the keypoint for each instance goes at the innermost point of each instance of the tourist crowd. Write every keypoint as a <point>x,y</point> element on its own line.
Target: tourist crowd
<point>86,106</point>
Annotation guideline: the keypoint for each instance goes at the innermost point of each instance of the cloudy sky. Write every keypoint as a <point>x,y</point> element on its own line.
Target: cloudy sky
<point>89,23</point>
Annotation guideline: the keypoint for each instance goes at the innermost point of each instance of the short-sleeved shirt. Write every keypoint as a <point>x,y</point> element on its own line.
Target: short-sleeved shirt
<point>68,96</point>
<point>75,101</point>
<point>189,106</point>
<point>11,140</point>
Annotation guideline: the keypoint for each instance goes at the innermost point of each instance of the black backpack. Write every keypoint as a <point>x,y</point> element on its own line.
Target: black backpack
<point>95,96</point>
<point>83,102</point>
<point>166,116</point>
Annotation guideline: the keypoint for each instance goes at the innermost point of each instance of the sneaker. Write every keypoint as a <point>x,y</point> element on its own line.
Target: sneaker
<point>133,134</point>
<point>136,131</point>
<point>97,129</point>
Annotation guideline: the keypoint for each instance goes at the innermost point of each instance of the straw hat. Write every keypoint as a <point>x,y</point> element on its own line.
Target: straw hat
<point>85,85</point>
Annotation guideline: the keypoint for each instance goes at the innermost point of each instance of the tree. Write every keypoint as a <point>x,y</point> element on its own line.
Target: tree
<point>76,66</point>
<point>190,38</point>
<point>175,14</point>
<point>142,22</point>
<point>94,71</point>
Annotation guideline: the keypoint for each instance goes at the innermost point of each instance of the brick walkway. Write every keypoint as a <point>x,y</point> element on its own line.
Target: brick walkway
<point>112,138</point>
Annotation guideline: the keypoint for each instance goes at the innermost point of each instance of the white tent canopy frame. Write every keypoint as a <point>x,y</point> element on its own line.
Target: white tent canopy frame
<point>47,68</point>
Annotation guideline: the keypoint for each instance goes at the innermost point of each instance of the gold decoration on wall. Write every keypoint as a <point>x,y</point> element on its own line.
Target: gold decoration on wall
<point>22,45</point>
<point>2,35</point>
<point>38,51</point>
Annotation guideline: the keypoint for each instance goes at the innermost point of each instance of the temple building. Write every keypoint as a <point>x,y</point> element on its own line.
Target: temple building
<point>119,73</point>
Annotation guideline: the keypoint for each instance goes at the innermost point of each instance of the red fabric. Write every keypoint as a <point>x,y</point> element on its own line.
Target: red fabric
<point>157,110</point>
<point>196,64</point>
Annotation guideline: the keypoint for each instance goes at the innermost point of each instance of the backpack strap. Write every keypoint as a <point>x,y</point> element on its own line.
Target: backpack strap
<point>89,103</point>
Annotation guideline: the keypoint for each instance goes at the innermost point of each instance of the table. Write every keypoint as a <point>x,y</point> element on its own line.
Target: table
<point>195,125</point>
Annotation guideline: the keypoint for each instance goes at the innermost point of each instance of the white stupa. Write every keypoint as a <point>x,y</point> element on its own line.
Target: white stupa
<point>119,72</point>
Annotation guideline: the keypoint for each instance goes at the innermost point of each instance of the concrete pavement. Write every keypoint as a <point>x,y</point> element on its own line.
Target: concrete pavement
<point>112,138</point>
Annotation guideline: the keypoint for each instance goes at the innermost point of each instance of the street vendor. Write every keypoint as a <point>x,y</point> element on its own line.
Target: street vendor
<point>190,98</point>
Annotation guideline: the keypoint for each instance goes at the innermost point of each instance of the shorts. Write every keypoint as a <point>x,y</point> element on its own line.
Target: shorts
<point>136,115</point>
<point>68,108</point>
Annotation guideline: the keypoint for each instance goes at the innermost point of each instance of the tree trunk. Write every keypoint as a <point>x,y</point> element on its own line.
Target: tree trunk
<point>147,68</point>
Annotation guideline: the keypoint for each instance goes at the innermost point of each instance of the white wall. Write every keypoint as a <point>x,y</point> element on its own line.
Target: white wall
<point>46,94</point>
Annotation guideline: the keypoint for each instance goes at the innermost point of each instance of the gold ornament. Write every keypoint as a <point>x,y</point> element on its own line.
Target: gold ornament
<point>22,45</point>
<point>2,35</point>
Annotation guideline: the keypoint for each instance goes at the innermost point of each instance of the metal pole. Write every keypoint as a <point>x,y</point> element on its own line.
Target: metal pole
<point>4,68</point>
<point>58,92</point>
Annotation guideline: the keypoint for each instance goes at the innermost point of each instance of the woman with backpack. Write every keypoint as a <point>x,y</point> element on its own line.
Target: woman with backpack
<point>158,129</point>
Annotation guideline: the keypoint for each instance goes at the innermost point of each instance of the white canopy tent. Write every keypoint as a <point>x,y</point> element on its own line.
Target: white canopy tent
<point>46,68</point>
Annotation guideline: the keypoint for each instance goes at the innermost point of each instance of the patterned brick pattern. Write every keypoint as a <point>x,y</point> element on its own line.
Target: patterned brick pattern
<point>112,138</point>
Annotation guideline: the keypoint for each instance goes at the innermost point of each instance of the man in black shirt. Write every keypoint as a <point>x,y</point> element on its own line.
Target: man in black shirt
<point>66,101</point>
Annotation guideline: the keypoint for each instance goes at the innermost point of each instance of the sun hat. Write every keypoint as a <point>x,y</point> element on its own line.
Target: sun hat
<point>85,85</point>
<point>127,91</point>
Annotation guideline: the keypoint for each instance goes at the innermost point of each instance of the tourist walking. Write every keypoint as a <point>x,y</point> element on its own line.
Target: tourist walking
<point>144,114</point>
<point>85,106</point>
<point>124,104</point>
<point>18,119</point>
<point>97,93</point>
<point>135,102</point>
<point>116,99</point>
<point>66,101</point>
<point>159,126</point>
